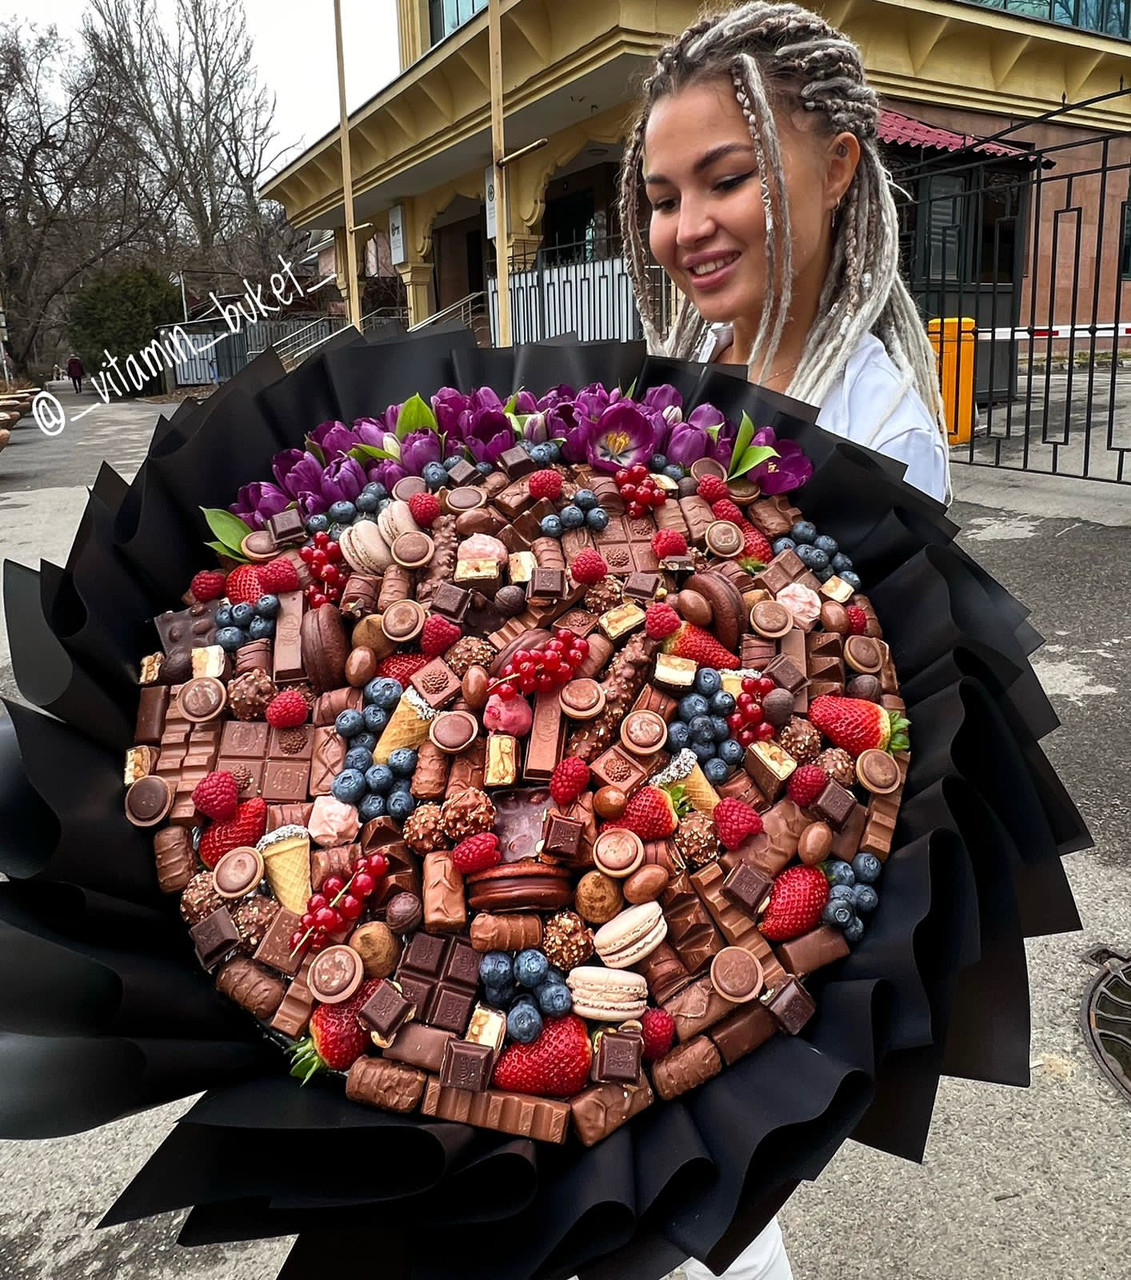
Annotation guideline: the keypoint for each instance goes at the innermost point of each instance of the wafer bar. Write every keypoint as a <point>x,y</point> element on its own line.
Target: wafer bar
<point>668,516</point>
<point>389,1085</point>
<point>468,768</point>
<point>698,515</point>
<point>608,495</point>
<point>430,778</point>
<point>396,584</point>
<point>251,986</point>
<point>686,1067</point>
<point>547,738</point>
<point>602,1109</point>
<point>176,861</point>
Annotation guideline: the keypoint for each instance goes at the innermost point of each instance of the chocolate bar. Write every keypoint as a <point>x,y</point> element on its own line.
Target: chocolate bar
<point>813,950</point>
<point>686,1067</point>
<point>389,1085</point>
<point>543,1119</point>
<point>547,739</point>
<point>440,976</point>
<point>602,1109</point>
<point>420,1046</point>
<point>152,706</point>
<point>444,905</point>
<point>732,919</point>
<point>251,987</point>
<point>287,656</point>
<point>747,1029</point>
<point>696,1007</point>
<point>690,929</point>
<point>466,1066</point>
<point>618,1058</point>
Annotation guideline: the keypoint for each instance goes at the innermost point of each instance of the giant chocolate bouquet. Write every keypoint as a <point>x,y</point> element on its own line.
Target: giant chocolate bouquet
<point>570,792</point>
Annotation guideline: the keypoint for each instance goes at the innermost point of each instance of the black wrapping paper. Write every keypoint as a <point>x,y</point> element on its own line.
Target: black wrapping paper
<point>938,983</point>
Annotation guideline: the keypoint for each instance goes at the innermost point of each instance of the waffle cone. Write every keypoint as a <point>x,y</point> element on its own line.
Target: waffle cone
<point>406,728</point>
<point>287,865</point>
<point>700,792</point>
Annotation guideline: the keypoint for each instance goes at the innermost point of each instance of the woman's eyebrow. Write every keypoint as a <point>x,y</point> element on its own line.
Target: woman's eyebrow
<point>705,161</point>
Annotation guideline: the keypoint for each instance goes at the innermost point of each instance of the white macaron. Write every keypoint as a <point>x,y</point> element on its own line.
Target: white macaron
<point>630,936</point>
<point>607,995</point>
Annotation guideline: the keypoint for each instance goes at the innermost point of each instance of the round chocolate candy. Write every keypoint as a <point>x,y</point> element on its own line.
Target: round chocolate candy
<point>618,852</point>
<point>259,546</point>
<point>148,800</point>
<point>598,897</point>
<point>863,654</point>
<point>834,617</point>
<point>694,607</point>
<point>609,802</point>
<point>866,687</point>
<point>724,539</point>
<point>814,843</point>
<point>466,498</point>
<point>876,771</point>
<point>582,699</point>
<point>736,974</point>
<point>361,666</point>
<point>510,600</point>
<point>744,491</point>
<point>403,621</point>
<point>645,884</point>
<point>407,486</point>
<point>644,732</point>
<point>335,975</point>
<point>404,912</point>
<point>202,698</point>
<point>413,549</point>
<point>475,686</point>
<point>770,619</point>
<point>708,467</point>
<point>177,667</point>
<point>238,872</point>
<point>777,707</point>
<point>454,731</point>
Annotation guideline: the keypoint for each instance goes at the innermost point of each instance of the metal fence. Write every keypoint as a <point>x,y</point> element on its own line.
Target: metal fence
<point>220,354</point>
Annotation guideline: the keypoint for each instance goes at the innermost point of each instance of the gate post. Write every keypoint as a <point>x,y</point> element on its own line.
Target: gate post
<point>953,341</point>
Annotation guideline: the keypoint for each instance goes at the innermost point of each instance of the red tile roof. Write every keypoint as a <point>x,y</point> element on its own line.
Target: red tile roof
<point>900,130</point>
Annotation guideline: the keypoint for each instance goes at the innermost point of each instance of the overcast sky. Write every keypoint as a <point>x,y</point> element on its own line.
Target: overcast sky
<point>295,51</point>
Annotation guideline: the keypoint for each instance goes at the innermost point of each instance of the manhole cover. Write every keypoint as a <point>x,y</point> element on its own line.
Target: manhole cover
<point>1106,1017</point>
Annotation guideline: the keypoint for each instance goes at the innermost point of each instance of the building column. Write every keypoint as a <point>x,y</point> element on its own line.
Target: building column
<point>417,277</point>
<point>525,242</point>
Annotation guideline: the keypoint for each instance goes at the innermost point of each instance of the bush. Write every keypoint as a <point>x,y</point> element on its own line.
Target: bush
<point>118,312</point>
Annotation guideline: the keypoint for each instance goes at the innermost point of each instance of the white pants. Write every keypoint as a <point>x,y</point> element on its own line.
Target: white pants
<point>763,1259</point>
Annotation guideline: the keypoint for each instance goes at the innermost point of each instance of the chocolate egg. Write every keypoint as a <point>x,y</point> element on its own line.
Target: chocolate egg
<point>694,608</point>
<point>609,802</point>
<point>814,843</point>
<point>510,601</point>
<point>645,884</point>
<point>834,617</point>
<point>404,912</point>
<point>475,682</point>
<point>361,666</point>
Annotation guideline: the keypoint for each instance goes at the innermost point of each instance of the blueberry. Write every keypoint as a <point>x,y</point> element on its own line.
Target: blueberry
<point>400,804</point>
<point>716,771</point>
<point>854,931</point>
<point>571,516</point>
<point>720,730</point>
<point>524,1023</point>
<point>554,450</point>
<point>673,471</point>
<point>838,912</point>
<point>840,872</point>
<point>527,446</point>
<point>267,606</point>
<point>867,899</point>
<point>366,502</point>
<point>678,735</point>
<point>348,786</point>
<point>485,468</point>
<point>826,543</point>
<point>358,758</point>
<point>224,616</point>
<point>586,499</point>
<point>701,729</point>
<point>812,557</point>
<point>242,615</point>
<point>657,462</point>
<point>377,489</point>
<point>349,723</point>
<point>852,579</point>
<point>435,477</point>
<point>382,503</point>
<point>804,531</point>
<point>551,527</point>
<point>501,996</point>
<point>318,524</point>
<point>691,705</point>
<point>370,807</point>
<point>530,968</point>
<point>453,461</point>
<point>336,531</point>
<point>262,629</point>
<point>496,969</point>
<point>554,999</point>
<point>843,892</point>
<point>403,762</point>
<point>597,520</point>
<point>782,544</point>
<point>366,740</point>
<point>708,681</point>
<point>867,867</point>
<point>375,719</point>
<point>841,562</point>
<point>230,638</point>
<point>342,512</point>
<point>401,784</point>
<point>383,692</point>
<point>379,779</point>
<point>732,751</point>
<point>554,974</point>
<point>542,455</point>
<point>722,703</point>
<point>704,751</point>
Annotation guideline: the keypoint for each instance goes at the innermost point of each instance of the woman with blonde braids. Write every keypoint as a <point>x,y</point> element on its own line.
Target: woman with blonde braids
<point>755,155</point>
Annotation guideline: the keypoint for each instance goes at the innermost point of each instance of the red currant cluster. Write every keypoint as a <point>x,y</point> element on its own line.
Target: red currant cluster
<point>338,903</point>
<point>747,721</point>
<point>639,490</point>
<point>324,559</point>
<point>540,670</point>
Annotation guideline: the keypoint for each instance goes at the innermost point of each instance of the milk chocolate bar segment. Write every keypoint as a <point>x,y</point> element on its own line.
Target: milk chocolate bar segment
<point>602,1109</point>
<point>686,1067</point>
<point>543,1119</point>
<point>389,1085</point>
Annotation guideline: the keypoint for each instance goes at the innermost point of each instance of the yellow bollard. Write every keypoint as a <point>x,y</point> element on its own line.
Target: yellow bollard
<point>953,341</point>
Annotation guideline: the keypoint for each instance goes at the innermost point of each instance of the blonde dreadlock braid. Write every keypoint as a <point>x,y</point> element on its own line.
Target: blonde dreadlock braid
<point>783,54</point>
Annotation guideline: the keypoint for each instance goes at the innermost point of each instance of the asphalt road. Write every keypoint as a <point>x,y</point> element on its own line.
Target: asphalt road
<point>1016,1184</point>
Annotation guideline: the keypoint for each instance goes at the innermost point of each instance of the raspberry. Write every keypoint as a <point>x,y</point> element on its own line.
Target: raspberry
<point>401,667</point>
<point>216,795</point>
<point>669,542</point>
<point>278,575</point>
<point>724,509</point>
<point>439,633</point>
<point>246,828</point>
<point>756,546</point>
<point>545,484</point>
<point>660,621</point>
<point>569,780</point>
<point>857,620</point>
<point>425,508</point>
<point>806,784</point>
<point>208,584</point>
<point>477,853</point>
<point>243,585</point>
<point>659,1031</point>
<point>734,821</point>
<point>287,710</point>
<point>589,567</point>
<point>712,488</point>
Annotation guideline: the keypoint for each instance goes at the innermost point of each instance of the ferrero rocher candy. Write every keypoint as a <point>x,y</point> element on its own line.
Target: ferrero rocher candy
<point>252,919</point>
<point>696,839</point>
<point>566,941</point>
<point>200,898</point>
<point>424,830</point>
<point>249,694</point>
<point>467,813</point>
<point>839,765</point>
<point>469,651</point>
<point>801,739</point>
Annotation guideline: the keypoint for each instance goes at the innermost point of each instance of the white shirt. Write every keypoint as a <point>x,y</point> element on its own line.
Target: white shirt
<point>868,405</point>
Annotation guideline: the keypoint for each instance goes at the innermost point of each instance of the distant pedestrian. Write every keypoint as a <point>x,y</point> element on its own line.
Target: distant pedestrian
<point>75,372</point>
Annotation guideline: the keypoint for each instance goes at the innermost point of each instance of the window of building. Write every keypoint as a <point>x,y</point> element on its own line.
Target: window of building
<point>446,16</point>
<point>1125,247</point>
<point>1109,17</point>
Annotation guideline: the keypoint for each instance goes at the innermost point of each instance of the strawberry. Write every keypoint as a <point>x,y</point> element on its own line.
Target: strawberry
<point>857,620</point>
<point>659,1031</point>
<point>734,821</point>
<point>425,509</point>
<point>693,642</point>
<point>337,1038</point>
<point>278,575</point>
<point>401,667</point>
<point>589,567</point>
<point>806,784</point>
<point>243,585</point>
<point>569,780</point>
<point>545,484</point>
<point>208,584</point>
<point>439,633</point>
<point>287,710</point>
<point>857,725</point>
<point>724,509</point>
<point>668,542</point>
<point>556,1065</point>
<point>216,795</point>
<point>797,899</point>
<point>477,853</point>
<point>247,827</point>
<point>756,546</point>
<point>653,812</point>
<point>660,621</point>
<point>712,488</point>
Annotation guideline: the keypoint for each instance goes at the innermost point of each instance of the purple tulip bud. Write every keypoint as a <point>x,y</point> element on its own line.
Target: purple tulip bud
<point>621,437</point>
<point>687,444</point>
<point>418,449</point>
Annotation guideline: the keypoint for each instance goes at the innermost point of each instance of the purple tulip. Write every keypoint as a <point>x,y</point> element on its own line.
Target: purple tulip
<point>789,470</point>
<point>386,473</point>
<point>556,396</point>
<point>535,429</point>
<point>341,481</point>
<point>592,401</point>
<point>524,403</point>
<point>688,443</point>
<point>370,431</point>
<point>621,437</point>
<point>419,448</point>
<point>297,472</point>
<point>706,415</point>
<point>335,439</point>
<point>661,398</point>
<point>448,404</point>
<point>257,502</point>
<point>490,435</point>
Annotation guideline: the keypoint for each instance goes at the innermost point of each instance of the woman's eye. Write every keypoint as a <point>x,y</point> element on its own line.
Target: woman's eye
<point>663,206</point>
<point>730,184</point>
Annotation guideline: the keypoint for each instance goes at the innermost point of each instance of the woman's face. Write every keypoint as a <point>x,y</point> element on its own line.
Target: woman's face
<point>708,227</point>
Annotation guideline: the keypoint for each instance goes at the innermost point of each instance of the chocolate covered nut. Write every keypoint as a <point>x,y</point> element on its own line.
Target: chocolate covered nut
<point>361,666</point>
<point>335,974</point>
<point>692,606</point>
<point>815,842</point>
<point>378,946</point>
<point>645,884</point>
<point>686,1067</point>
<point>404,912</point>
<point>736,975</point>
<point>598,897</point>
<point>866,687</point>
<point>251,987</point>
<point>609,802</point>
<point>474,685</point>
<point>602,1109</point>
<point>391,1086</point>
